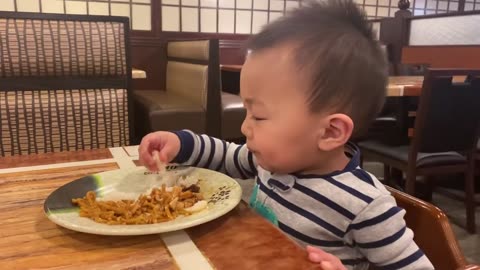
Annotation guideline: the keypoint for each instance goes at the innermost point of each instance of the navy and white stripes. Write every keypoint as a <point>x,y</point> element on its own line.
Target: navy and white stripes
<point>348,213</point>
<point>207,152</point>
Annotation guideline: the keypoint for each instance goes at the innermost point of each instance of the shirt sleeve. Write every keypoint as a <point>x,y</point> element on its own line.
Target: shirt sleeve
<point>208,152</point>
<point>381,235</point>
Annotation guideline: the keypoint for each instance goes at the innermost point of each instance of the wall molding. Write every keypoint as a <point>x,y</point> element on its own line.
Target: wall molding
<point>154,41</point>
<point>231,44</point>
<point>145,41</point>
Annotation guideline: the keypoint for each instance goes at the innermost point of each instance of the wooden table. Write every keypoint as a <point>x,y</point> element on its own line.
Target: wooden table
<point>138,74</point>
<point>239,240</point>
<point>398,86</point>
<point>233,68</point>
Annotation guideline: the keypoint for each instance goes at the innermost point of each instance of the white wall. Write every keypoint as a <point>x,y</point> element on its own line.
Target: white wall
<point>458,30</point>
<point>139,11</point>
<point>230,16</point>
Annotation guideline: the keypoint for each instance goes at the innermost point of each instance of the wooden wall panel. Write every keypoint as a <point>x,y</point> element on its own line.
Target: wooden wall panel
<point>232,52</point>
<point>443,56</point>
<point>149,55</point>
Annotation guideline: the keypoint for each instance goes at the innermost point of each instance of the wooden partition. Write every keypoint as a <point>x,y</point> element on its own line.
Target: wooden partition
<point>442,41</point>
<point>443,56</point>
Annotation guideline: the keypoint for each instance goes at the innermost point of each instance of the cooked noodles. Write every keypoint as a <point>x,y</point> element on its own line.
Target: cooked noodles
<point>162,204</point>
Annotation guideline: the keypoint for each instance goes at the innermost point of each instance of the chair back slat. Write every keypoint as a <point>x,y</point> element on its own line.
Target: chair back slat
<point>448,113</point>
<point>65,83</point>
<point>61,46</point>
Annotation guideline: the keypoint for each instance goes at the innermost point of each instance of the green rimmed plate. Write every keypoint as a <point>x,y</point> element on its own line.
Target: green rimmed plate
<point>222,193</point>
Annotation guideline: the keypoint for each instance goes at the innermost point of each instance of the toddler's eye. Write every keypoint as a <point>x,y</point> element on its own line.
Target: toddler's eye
<point>258,118</point>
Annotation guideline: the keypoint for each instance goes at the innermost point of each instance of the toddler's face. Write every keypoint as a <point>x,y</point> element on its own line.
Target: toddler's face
<point>280,130</point>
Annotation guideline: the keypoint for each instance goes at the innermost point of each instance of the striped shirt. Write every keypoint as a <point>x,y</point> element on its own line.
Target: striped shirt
<point>347,213</point>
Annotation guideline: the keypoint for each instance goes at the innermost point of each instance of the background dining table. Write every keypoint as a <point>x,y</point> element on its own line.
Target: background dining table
<point>410,86</point>
<point>138,74</point>
<point>398,86</point>
<point>240,239</point>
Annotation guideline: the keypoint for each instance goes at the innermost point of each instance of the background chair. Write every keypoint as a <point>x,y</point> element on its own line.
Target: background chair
<point>65,83</point>
<point>233,114</point>
<point>432,232</point>
<point>191,98</point>
<point>387,126</point>
<point>411,69</point>
<point>233,111</point>
<point>445,135</point>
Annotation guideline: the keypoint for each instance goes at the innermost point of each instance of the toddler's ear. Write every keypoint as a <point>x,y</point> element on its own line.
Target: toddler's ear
<point>337,132</point>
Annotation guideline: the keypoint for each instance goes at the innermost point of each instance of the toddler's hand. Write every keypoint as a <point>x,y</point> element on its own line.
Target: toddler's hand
<point>165,145</point>
<point>326,260</point>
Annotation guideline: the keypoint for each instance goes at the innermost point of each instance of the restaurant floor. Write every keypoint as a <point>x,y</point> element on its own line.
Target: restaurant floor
<point>470,243</point>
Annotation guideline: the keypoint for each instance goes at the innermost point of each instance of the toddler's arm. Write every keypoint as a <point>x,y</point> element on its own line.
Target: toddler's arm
<point>212,153</point>
<point>381,234</point>
<point>198,150</point>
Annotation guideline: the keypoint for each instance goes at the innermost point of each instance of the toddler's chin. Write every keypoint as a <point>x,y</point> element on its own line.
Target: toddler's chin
<point>263,164</point>
<point>267,166</point>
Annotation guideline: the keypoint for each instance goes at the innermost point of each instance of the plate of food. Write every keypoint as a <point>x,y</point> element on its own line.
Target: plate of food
<point>136,201</point>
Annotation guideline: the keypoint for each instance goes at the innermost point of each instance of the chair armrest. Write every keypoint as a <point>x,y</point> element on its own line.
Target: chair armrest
<point>470,267</point>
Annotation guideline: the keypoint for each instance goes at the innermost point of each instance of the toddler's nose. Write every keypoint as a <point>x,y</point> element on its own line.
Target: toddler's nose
<point>246,129</point>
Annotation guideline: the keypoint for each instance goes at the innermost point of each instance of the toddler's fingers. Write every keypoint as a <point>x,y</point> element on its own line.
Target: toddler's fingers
<point>322,254</point>
<point>160,165</point>
<point>168,153</point>
<point>326,265</point>
<point>146,159</point>
<point>314,257</point>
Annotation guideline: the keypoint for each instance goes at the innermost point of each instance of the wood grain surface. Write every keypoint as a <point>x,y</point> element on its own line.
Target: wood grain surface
<point>243,240</point>
<point>29,240</point>
<point>53,158</point>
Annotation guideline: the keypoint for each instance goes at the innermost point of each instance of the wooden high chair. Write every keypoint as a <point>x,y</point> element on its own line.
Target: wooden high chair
<point>432,232</point>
